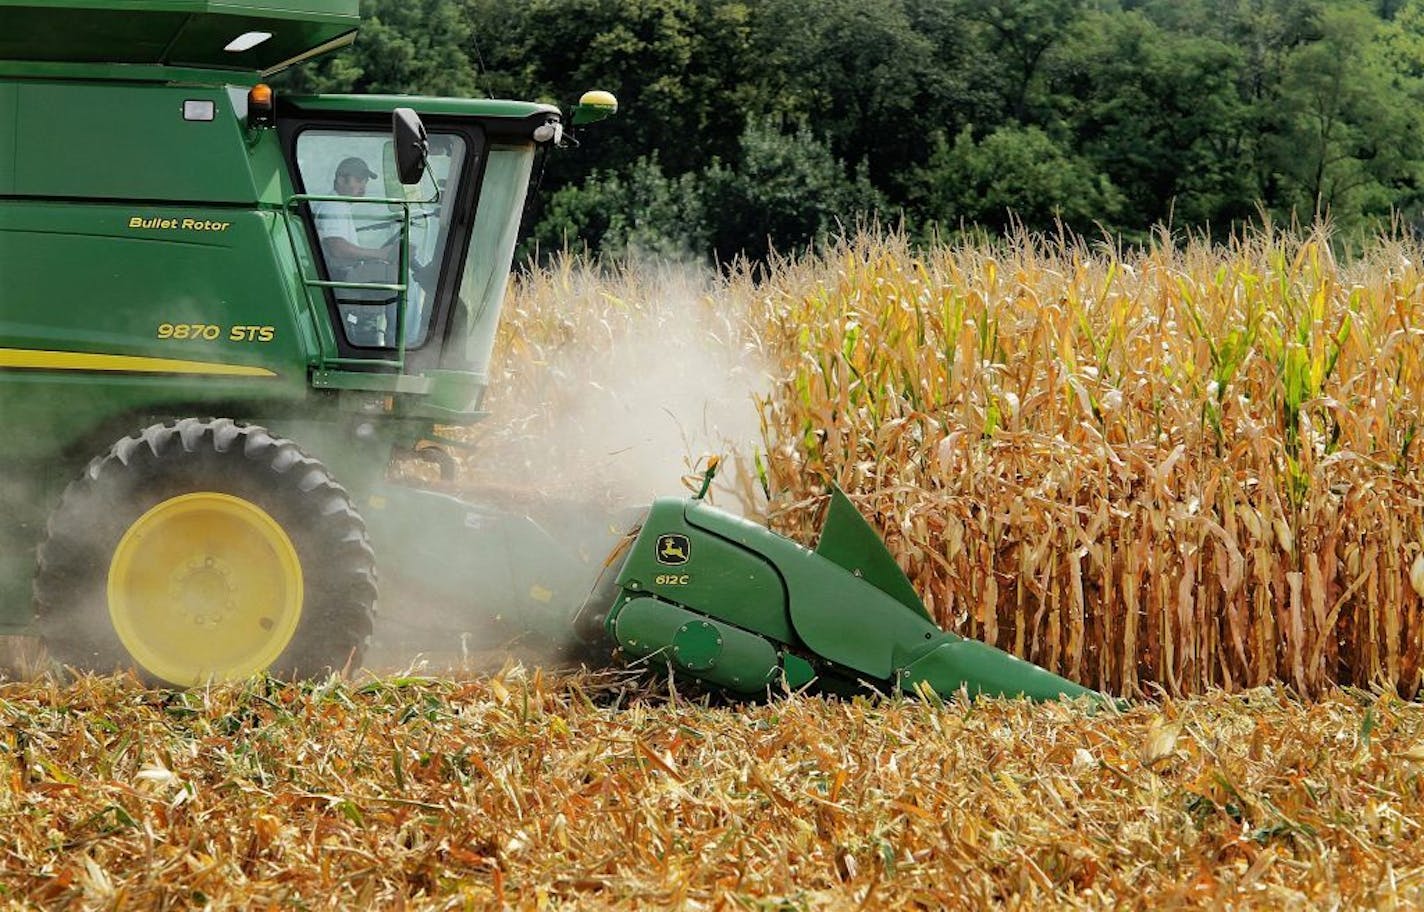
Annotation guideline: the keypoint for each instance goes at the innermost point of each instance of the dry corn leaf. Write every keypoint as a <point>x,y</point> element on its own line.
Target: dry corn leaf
<point>1160,742</point>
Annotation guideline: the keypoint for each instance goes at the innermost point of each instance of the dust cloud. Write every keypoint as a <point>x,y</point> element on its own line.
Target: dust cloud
<point>658,370</point>
<point>612,391</point>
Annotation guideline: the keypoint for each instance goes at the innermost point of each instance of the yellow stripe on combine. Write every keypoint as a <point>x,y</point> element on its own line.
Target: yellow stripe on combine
<point>35,359</point>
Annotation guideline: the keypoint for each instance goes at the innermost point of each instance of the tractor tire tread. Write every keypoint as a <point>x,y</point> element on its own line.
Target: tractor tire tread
<point>314,509</point>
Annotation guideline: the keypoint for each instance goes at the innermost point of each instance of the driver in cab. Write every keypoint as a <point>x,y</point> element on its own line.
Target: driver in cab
<point>336,223</point>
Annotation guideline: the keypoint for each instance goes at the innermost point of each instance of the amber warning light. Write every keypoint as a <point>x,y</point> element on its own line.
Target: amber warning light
<point>260,110</point>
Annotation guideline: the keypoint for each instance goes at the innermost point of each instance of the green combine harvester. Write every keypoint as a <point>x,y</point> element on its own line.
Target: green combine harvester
<point>223,312</point>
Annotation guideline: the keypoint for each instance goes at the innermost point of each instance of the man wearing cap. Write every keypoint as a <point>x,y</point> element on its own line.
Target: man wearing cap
<point>336,224</point>
<point>347,259</point>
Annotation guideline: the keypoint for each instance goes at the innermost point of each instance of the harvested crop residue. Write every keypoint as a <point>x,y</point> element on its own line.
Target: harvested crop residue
<point>531,791</point>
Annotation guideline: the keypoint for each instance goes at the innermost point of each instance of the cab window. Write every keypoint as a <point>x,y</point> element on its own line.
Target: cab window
<point>359,237</point>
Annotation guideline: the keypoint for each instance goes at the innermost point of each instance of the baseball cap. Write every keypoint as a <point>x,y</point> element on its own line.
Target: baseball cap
<point>356,166</point>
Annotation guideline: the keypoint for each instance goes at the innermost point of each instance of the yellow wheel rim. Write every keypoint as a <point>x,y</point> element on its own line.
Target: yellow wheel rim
<point>205,586</point>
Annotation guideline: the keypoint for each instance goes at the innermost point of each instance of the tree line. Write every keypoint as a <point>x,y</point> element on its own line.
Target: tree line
<point>751,125</point>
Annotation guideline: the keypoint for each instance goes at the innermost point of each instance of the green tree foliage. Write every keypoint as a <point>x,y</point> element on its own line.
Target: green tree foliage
<point>639,211</point>
<point>862,71</point>
<point>1159,116</point>
<point>1349,141</point>
<point>1015,174</point>
<point>675,66</point>
<point>1019,37</point>
<point>746,126</point>
<point>416,47</point>
<point>786,190</point>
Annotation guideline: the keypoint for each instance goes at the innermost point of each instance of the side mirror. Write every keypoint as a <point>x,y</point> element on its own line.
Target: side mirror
<point>412,145</point>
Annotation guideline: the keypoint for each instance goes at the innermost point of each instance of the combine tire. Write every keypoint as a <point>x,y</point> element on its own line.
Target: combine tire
<point>197,551</point>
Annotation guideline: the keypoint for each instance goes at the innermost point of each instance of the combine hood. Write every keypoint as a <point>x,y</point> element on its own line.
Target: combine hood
<point>183,33</point>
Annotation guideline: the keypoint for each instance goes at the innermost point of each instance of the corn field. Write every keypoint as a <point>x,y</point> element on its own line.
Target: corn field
<point>1186,470</point>
<point>518,791</point>
<point>1179,467</point>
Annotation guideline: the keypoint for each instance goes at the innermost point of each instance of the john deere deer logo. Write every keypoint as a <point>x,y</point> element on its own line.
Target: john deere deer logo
<point>673,549</point>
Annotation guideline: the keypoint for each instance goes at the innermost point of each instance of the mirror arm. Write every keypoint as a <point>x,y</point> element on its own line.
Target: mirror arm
<point>426,175</point>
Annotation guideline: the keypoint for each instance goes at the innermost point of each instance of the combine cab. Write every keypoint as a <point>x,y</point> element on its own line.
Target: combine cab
<point>223,311</point>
